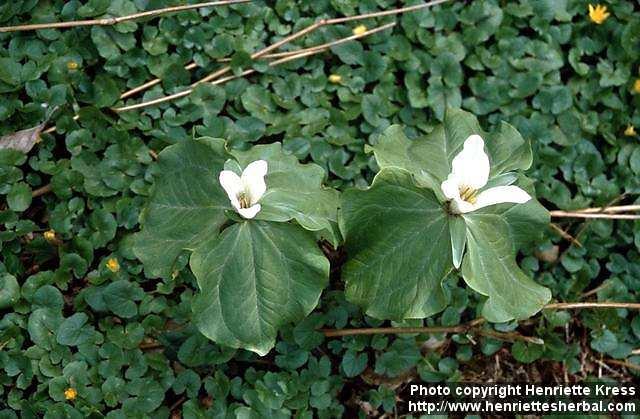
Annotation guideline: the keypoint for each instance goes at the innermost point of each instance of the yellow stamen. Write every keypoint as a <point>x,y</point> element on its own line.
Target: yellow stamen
<point>468,194</point>
<point>636,86</point>
<point>72,65</point>
<point>598,14</point>
<point>244,201</point>
<point>335,78</point>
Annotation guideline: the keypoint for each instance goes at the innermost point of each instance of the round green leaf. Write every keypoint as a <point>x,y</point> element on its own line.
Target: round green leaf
<point>490,268</point>
<point>187,204</point>
<point>399,248</point>
<point>254,278</point>
<point>9,290</point>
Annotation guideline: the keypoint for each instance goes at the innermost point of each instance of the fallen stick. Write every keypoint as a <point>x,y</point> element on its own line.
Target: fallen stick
<point>467,327</point>
<point>302,53</point>
<point>263,52</point>
<point>109,21</point>
<point>594,215</point>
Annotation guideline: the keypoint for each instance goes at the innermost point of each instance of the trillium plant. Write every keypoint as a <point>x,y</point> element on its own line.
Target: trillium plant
<point>451,201</point>
<point>248,224</point>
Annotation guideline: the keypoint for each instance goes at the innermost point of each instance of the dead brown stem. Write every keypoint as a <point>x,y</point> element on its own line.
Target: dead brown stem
<point>108,21</point>
<point>41,190</point>
<point>302,53</point>
<point>602,215</point>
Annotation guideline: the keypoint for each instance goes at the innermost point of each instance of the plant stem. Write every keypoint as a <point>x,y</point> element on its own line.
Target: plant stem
<point>467,327</point>
<point>41,191</point>
<point>385,12</point>
<point>564,306</point>
<point>293,56</point>
<point>401,330</point>
<point>619,208</point>
<point>623,364</point>
<point>263,52</point>
<point>603,215</point>
<point>108,21</point>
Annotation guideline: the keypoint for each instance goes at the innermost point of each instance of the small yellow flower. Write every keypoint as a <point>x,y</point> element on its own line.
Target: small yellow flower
<point>72,65</point>
<point>630,131</point>
<point>598,14</point>
<point>636,86</point>
<point>113,265</point>
<point>70,393</point>
<point>50,235</point>
<point>359,30</point>
<point>335,78</point>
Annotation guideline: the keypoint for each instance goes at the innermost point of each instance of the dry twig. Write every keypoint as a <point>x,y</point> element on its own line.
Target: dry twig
<point>263,52</point>
<point>109,21</point>
<point>601,215</point>
<point>467,327</point>
<point>219,80</point>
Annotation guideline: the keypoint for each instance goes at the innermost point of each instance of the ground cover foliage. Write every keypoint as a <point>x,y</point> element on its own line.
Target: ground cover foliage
<point>84,331</point>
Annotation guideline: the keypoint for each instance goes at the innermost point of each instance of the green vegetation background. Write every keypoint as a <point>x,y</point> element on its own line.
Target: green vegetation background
<point>124,342</point>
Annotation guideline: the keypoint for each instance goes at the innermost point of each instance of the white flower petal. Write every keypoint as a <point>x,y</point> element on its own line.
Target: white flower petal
<point>471,165</point>
<point>501,194</point>
<point>249,212</point>
<point>459,206</point>
<point>232,185</point>
<point>451,188</point>
<point>253,180</point>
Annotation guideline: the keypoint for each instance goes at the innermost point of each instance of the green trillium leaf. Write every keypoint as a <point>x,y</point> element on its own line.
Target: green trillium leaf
<point>294,191</point>
<point>254,278</point>
<point>526,222</point>
<point>186,206</point>
<point>458,232</point>
<point>490,268</point>
<point>430,156</point>
<point>398,247</point>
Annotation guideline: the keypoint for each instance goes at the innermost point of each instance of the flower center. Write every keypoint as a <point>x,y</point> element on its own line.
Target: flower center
<point>244,200</point>
<point>468,194</point>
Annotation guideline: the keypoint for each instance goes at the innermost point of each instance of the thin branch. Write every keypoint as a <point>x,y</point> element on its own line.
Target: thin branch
<point>623,364</point>
<point>302,53</point>
<point>317,25</point>
<point>601,215</point>
<point>401,330</point>
<point>385,12</point>
<point>263,52</point>
<point>108,21</point>
<point>224,70</point>
<point>41,191</point>
<point>467,327</point>
<point>510,336</point>
<point>620,208</point>
<point>564,306</point>
<point>193,65</point>
<point>596,289</point>
<point>565,235</point>
<point>151,83</point>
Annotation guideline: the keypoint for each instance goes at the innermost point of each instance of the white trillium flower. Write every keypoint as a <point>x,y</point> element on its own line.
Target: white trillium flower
<point>245,191</point>
<point>469,174</point>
